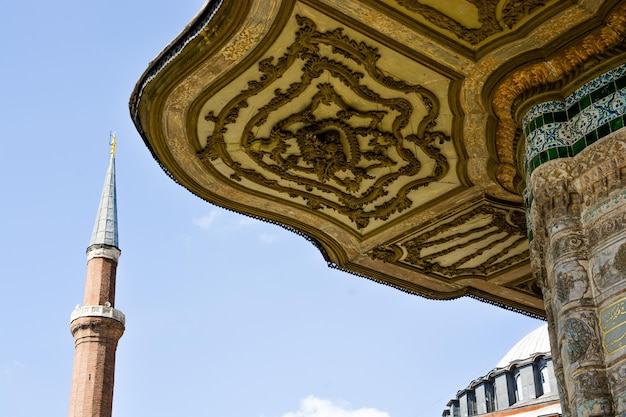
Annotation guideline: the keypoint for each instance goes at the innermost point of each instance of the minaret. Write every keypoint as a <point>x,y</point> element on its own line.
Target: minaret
<point>97,325</point>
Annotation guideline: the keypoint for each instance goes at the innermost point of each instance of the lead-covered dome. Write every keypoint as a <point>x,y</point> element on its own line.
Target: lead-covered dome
<point>533,343</point>
<point>523,383</point>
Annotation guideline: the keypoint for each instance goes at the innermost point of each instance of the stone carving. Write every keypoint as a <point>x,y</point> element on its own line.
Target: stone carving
<point>571,282</point>
<point>333,153</point>
<point>619,262</point>
<point>602,207</point>
<point>620,402</point>
<point>563,394</point>
<point>563,245</point>
<point>594,407</point>
<point>592,382</point>
<point>594,352</point>
<point>538,266</point>
<point>511,13</point>
<point>605,157</point>
<point>618,376</point>
<point>551,180</point>
<point>554,200</point>
<point>593,389</point>
<point>561,193</point>
<point>600,231</point>
<point>578,337</point>
<point>608,272</point>
<point>600,175</point>
<point>102,326</point>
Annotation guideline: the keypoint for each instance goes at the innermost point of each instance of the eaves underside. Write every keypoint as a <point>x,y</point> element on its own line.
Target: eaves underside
<point>284,180</point>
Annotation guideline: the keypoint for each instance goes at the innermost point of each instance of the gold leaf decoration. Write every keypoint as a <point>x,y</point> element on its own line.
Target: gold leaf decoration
<point>480,242</point>
<point>330,139</point>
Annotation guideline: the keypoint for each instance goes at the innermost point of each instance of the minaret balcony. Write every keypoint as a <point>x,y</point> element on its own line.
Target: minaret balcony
<point>98,311</point>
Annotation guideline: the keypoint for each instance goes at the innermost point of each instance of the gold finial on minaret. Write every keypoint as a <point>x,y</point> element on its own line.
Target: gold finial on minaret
<point>113,142</point>
<point>97,326</point>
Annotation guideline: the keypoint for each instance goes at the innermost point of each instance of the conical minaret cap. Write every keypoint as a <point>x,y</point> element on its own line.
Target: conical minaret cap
<point>105,228</point>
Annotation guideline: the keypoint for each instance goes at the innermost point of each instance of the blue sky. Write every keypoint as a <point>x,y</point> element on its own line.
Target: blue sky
<point>226,316</point>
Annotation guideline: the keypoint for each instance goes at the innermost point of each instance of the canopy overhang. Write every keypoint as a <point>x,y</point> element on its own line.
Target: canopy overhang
<point>385,131</point>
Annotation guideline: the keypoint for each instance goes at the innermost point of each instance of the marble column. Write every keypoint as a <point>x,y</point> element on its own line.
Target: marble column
<point>576,204</point>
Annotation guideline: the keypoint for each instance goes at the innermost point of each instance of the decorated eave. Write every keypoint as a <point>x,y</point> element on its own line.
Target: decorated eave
<point>386,132</point>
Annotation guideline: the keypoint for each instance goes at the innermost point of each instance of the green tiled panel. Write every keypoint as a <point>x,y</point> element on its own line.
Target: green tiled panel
<point>616,124</point>
<point>602,92</point>
<point>560,116</point>
<point>585,102</point>
<point>591,137</point>
<point>548,118</point>
<point>573,110</point>
<point>565,116</point>
<point>552,153</point>
<point>578,146</point>
<point>603,130</point>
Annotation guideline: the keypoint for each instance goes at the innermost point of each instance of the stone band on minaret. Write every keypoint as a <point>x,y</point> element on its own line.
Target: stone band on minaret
<point>97,325</point>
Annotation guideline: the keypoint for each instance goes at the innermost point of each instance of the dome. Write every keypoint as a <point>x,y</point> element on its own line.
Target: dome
<point>522,384</point>
<point>535,342</point>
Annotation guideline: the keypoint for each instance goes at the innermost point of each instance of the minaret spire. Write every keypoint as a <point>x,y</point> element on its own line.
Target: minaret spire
<point>98,325</point>
<point>105,228</point>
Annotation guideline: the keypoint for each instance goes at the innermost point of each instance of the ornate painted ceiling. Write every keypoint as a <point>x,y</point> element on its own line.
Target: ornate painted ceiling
<point>384,131</point>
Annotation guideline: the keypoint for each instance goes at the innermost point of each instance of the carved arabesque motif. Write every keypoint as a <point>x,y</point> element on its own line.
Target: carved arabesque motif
<point>610,269</point>
<point>619,262</point>
<point>577,219</point>
<point>605,229</point>
<point>578,337</point>
<point>482,242</point>
<point>566,282</point>
<point>593,395</point>
<point>529,286</point>
<point>248,36</point>
<point>332,153</point>
<point>512,12</point>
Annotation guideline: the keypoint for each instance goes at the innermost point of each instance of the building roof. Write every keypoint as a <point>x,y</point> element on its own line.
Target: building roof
<point>533,343</point>
<point>524,353</point>
<point>105,227</point>
<point>388,133</point>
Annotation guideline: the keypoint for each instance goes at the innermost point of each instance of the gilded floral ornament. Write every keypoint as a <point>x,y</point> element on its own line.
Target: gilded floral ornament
<point>489,21</point>
<point>249,36</point>
<point>330,138</point>
<point>481,241</point>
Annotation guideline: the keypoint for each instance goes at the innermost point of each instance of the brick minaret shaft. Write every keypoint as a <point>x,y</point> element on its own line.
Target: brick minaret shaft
<point>98,325</point>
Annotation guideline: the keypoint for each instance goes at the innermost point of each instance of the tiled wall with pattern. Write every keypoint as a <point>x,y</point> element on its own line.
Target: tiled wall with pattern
<point>562,129</point>
<point>557,129</point>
